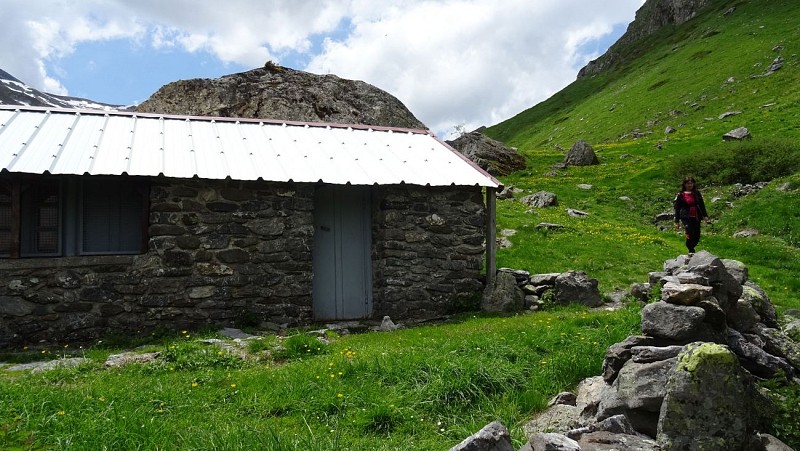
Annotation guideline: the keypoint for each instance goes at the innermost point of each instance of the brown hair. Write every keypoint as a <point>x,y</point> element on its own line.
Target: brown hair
<point>688,179</point>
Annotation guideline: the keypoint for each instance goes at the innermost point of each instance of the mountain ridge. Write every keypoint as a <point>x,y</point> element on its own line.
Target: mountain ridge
<point>685,75</point>
<point>16,92</point>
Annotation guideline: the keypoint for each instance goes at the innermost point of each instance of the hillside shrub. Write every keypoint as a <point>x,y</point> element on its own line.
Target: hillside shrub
<point>740,162</point>
<point>300,346</point>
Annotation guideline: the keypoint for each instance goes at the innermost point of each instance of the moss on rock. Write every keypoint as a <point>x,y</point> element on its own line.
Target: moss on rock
<point>697,354</point>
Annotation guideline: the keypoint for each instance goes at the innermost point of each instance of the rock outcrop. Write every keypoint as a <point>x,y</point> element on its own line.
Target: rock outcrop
<point>650,18</point>
<point>276,92</point>
<point>492,156</point>
<point>688,382</point>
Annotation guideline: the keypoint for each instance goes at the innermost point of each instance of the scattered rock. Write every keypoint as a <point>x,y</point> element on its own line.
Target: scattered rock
<point>577,213</point>
<point>493,437</point>
<point>504,243</point>
<point>667,216</point>
<point>39,367</point>
<point>508,192</point>
<point>540,199</point>
<point>737,134</point>
<point>584,186</point>
<point>387,325</point>
<point>230,332</point>
<point>746,233</point>
<point>669,130</point>
<point>741,190</point>
<point>126,358</point>
<point>775,66</point>
<point>729,114</point>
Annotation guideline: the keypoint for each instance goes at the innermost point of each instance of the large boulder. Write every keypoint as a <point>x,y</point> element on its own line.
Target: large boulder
<point>492,156</point>
<point>503,295</point>
<point>576,287</point>
<point>581,154</point>
<point>710,403</point>
<point>673,322</point>
<point>276,92</point>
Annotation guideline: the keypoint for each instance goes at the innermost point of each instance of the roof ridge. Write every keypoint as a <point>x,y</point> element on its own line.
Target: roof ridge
<point>212,118</point>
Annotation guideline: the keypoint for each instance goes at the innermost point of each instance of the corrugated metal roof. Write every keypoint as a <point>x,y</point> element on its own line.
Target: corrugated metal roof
<point>39,140</point>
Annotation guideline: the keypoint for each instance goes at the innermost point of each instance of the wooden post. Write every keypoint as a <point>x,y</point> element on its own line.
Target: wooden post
<point>491,234</point>
<point>16,214</point>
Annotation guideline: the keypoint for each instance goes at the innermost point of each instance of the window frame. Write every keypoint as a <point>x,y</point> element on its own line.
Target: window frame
<point>70,215</point>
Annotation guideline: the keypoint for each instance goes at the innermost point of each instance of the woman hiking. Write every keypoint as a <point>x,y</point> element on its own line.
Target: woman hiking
<point>690,210</point>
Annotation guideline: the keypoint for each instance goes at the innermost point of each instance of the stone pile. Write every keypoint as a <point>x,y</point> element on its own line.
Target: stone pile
<point>515,289</point>
<point>688,382</point>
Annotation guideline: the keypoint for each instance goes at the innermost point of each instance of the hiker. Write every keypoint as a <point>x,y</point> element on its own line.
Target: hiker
<point>690,209</point>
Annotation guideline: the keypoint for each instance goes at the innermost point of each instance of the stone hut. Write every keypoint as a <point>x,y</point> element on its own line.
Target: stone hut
<point>127,223</point>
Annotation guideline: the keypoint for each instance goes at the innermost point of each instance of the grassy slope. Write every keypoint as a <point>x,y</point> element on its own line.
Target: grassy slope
<point>427,388</point>
<point>680,79</point>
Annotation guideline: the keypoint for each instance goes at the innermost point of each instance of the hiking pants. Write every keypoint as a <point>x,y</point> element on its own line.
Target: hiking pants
<point>692,228</point>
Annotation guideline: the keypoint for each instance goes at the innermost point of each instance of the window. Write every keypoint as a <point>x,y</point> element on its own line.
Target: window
<point>44,215</point>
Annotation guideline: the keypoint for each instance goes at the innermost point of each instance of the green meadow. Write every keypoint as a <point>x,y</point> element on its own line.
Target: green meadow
<point>431,386</point>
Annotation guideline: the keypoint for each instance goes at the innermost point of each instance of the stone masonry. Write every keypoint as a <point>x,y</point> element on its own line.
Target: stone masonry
<point>233,253</point>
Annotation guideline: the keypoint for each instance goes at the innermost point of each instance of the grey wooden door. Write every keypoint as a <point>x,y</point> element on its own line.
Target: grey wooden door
<point>342,257</point>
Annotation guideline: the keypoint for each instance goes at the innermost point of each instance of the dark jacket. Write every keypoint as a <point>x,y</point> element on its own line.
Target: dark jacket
<point>682,208</point>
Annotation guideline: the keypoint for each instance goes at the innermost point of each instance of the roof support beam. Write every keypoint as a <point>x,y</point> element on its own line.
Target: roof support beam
<point>491,234</point>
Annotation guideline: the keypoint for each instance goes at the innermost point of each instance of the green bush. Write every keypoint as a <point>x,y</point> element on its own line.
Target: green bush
<point>299,346</point>
<point>193,355</point>
<point>740,162</point>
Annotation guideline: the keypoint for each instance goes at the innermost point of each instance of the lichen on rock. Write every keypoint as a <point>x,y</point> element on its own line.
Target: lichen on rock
<point>697,354</point>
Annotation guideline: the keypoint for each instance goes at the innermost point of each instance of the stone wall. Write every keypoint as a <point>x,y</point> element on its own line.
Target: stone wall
<point>225,253</point>
<point>220,253</point>
<point>429,249</point>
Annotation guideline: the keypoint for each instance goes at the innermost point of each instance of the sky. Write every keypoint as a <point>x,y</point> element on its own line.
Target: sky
<point>456,64</point>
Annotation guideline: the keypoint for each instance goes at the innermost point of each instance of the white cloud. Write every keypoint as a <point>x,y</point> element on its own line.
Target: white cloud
<point>471,62</point>
<point>452,62</point>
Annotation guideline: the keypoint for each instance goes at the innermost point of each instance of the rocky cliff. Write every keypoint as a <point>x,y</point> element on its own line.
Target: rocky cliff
<point>651,17</point>
<point>276,92</point>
